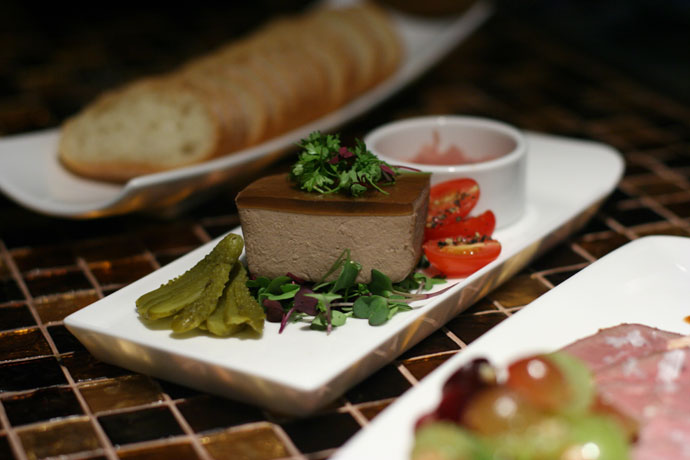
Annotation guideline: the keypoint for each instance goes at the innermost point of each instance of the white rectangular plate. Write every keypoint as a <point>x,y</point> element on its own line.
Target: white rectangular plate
<point>646,281</point>
<point>300,370</point>
<point>31,174</point>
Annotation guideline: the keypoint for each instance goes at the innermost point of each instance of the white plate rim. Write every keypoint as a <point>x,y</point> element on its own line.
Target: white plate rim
<point>673,252</point>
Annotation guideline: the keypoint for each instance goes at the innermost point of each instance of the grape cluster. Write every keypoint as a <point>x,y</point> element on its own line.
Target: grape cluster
<point>546,408</point>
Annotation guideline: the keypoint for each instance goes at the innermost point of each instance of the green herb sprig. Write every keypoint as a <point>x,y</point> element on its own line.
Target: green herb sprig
<point>328,304</point>
<point>324,166</point>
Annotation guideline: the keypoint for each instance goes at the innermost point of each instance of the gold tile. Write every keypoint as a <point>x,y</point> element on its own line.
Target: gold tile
<point>483,305</point>
<point>601,246</point>
<point>23,343</point>
<point>176,451</point>
<point>118,393</point>
<point>58,307</point>
<point>422,367</point>
<point>370,411</point>
<point>59,438</point>
<point>518,291</point>
<point>258,443</point>
<point>664,228</point>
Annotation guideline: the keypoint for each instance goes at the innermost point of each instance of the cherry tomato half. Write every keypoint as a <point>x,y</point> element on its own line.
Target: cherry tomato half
<point>467,227</point>
<point>452,199</point>
<point>457,257</point>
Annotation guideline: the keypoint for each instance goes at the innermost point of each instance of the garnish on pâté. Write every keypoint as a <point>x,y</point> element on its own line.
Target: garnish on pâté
<point>325,166</point>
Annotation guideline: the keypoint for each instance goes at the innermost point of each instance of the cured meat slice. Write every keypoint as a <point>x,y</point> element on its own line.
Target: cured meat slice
<point>644,373</point>
<point>666,436</point>
<point>619,343</point>
<point>642,387</point>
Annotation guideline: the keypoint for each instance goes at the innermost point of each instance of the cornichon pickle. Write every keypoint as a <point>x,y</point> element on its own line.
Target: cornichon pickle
<point>237,309</point>
<point>215,323</point>
<point>245,309</point>
<point>189,290</point>
<point>201,308</point>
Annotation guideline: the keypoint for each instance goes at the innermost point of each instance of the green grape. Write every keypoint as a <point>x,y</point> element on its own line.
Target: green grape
<point>448,441</point>
<point>586,437</point>
<point>595,437</point>
<point>578,379</point>
<point>629,425</point>
<point>543,439</point>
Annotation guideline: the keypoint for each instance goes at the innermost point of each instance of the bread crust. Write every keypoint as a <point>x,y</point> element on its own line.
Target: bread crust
<point>289,72</point>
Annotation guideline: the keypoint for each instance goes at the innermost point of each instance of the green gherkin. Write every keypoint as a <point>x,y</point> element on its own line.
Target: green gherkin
<point>201,308</point>
<point>193,296</point>
<point>236,309</point>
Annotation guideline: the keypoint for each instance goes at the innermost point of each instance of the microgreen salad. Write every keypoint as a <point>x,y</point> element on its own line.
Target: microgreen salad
<point>328,304</point>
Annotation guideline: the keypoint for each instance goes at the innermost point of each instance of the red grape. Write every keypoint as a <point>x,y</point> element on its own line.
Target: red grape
<point>461,386</point>
<point>539,381</point>
<point>499,409</point>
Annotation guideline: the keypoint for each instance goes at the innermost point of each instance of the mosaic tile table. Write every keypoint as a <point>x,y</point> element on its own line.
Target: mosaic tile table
<point>57,400</point>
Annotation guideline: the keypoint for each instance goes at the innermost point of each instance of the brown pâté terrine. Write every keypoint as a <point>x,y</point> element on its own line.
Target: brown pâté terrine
<point>287,230</point>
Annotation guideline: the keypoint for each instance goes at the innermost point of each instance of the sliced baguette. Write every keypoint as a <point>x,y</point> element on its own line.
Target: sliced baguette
<point>289,72</point>
<point>145,127</point>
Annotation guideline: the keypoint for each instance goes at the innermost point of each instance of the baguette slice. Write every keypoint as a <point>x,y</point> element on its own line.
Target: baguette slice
<point>287,73</point>
<point>146,127</point>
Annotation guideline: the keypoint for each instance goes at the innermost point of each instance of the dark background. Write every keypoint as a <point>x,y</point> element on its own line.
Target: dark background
<point>56,56</point>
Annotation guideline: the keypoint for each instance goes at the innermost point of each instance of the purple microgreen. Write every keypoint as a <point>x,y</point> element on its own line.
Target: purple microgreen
<point>286,317</point>
<point>381,285</point>
<point>345,153</point>
<point>274,310</point>
<point>305,303</point>
<point>408,297</point>
<point>324,305</point>
<point>320,322</point>
<point>388,173</point>
<point>387,169</point>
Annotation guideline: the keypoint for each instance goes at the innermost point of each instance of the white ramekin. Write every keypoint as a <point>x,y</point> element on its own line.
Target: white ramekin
<point>501,179</point>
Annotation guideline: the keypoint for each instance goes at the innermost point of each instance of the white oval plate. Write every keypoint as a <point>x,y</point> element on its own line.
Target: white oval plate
<point>31,174</point>
<point>301,370</point>
<point>646,281</point>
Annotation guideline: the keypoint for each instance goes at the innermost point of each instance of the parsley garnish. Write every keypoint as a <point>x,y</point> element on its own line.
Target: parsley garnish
<point>325,166</point>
